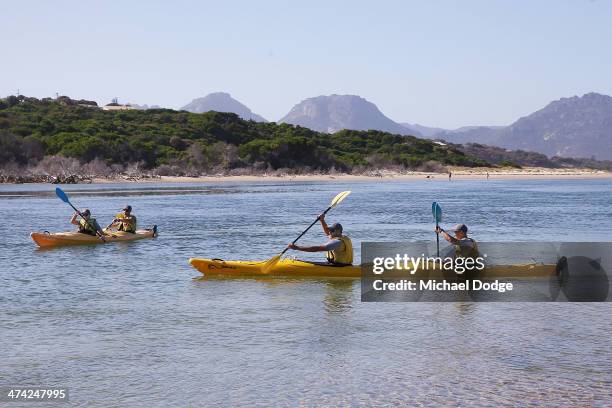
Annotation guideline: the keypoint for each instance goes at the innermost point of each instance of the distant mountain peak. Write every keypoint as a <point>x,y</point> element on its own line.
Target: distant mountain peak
<point>331,113</point>
<point>222,102</point>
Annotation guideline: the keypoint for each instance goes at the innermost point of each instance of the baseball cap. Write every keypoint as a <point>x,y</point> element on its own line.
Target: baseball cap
<point>460,227</point>
<point>335,227</point>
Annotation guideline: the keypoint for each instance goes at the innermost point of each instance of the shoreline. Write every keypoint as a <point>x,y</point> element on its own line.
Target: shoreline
<point>457,174</point>
<point>527,173</point>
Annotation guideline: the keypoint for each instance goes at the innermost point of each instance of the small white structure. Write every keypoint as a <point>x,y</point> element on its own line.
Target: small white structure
<point>115,105</point>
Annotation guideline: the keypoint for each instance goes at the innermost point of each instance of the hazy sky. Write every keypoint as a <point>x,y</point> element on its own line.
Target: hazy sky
<point>437,63</point>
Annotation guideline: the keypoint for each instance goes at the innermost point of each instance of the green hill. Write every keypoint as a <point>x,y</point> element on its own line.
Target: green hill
<point>31,129</point>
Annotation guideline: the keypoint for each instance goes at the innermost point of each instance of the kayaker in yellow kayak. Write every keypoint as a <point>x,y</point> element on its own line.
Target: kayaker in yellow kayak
<point>464,247</point>
<point>125,221</point>
<point>339,248</point>
<point>87,224</point>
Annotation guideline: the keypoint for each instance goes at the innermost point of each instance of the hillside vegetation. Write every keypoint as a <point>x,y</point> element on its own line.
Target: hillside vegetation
<point>178,142</point>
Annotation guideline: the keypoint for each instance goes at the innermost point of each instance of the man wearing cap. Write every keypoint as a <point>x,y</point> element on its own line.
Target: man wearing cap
<point>125,221</point>
<point>464,247</point>
<point>339,248</point>
<point>87,224</point>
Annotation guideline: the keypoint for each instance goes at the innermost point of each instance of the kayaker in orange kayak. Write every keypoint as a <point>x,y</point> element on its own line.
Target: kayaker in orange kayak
<point>87,224</point>
<point>125,221</point>
<point>339,248</point>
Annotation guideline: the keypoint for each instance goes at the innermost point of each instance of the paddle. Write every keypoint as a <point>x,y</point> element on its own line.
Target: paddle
<point>437,214</point>
<point>62,196</point>
<point>273,261</point>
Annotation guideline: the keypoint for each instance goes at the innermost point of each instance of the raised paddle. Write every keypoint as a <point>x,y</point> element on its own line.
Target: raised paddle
<point>273,261</point>
<point>62,196</point>
<point>437,214</point>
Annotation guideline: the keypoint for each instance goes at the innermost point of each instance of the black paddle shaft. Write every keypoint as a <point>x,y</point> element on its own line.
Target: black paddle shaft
<point>437,239</point>
<point>306,230</point>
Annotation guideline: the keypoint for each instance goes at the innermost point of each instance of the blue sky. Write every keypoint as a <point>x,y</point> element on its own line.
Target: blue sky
<point>438,63</point>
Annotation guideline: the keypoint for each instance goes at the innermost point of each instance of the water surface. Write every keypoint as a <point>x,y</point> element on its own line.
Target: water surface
<point>128,325</point>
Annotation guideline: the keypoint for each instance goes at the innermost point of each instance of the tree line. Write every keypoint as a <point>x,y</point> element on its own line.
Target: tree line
<point>33,129</point>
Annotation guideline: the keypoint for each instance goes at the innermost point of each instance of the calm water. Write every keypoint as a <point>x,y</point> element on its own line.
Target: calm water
<point>128,325</point>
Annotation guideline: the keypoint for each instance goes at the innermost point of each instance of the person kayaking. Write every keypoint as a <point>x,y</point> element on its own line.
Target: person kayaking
<point>464,246</point>
<point>125,221</point>
<point>339,248</point>
<point>87,224</point>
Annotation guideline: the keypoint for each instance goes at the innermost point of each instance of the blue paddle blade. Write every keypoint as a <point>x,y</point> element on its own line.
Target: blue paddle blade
<point>436,211</point>
<point>62,196</point>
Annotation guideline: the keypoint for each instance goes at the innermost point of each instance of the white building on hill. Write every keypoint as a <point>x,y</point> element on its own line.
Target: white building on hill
<point>114,106</point>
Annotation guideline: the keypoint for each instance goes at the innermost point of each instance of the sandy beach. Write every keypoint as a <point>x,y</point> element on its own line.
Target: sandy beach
<point>529,173</point>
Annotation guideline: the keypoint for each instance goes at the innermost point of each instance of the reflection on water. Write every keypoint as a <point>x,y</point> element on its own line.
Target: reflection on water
<point>338,295</point>
<point>127,325</point>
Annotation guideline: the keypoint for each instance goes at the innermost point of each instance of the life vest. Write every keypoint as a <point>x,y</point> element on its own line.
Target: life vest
<point>342,255</point>
<point>88,227</point>
<point>466,252</point>
<point>126,225</point>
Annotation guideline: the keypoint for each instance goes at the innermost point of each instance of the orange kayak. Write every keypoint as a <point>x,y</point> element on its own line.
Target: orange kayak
<point>56,239</point>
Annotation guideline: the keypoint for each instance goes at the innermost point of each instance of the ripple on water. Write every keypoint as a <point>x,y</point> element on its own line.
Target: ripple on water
<point>126,325</point>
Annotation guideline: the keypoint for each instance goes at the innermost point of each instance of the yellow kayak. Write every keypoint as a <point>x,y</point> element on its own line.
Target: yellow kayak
<point>284,268</point>
<point>50,240</point>
<point>294,268</point>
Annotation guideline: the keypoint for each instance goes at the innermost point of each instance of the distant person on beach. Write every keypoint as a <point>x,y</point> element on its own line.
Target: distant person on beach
<point>339,248</point>
<point>87,224</point>
<point>487,175</point>
<point>464,247</point>
<point>450,175</point>
<point>125,221</point>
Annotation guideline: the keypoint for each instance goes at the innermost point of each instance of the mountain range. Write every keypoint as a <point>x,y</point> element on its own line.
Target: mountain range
<point>579,126</point>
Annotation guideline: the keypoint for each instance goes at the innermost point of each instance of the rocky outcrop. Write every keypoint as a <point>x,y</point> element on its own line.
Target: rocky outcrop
<point>332,113</point>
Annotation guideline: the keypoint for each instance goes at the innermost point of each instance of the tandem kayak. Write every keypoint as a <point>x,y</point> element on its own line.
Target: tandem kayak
<point>55,239</point>
<point>288,268</point>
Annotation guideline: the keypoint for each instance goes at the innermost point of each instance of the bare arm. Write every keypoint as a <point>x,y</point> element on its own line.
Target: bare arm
<point>324,225</point>
<point>447,236</point>
<point>113,223</point>
<point>316,248</point>
<point>73,220</point>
